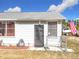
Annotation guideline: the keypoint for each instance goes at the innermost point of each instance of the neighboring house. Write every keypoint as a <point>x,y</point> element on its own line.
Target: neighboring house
<point>32,27</point>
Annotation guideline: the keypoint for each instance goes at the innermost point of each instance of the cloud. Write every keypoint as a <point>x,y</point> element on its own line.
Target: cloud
<point>64,5</point>
<point>15,9</point>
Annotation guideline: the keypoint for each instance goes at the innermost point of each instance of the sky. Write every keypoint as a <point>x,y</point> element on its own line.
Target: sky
<point>71,12</point>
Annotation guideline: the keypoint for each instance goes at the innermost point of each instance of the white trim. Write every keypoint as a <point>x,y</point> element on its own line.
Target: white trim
<point>52,28</point>
<point>5,28</point>
<point>5,34</point>
<point>59,28</point>
<point>39,22</point>
<point>7,19</point>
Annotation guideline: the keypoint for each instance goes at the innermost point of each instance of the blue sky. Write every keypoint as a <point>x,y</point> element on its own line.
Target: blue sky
<point>38,6</point>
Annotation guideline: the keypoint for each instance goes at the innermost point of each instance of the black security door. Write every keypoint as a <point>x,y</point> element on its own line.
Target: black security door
<point>39,35</point>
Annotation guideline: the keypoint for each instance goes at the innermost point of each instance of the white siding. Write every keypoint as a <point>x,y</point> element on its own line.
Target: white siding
<point>59,28</point>
<point>22,31</point>
<point>45,33</point>
<point>25,32</point>
<point>55,40</point>
<point>9,40</point>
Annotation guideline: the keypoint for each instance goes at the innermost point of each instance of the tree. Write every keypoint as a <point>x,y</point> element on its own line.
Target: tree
<point>65,25</point>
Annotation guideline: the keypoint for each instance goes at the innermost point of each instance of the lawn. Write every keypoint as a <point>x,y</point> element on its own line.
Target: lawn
<point>26,54</point>
<point>74,44</point>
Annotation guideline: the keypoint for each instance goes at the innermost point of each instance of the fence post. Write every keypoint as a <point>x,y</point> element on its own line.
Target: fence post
<point>64,43</point>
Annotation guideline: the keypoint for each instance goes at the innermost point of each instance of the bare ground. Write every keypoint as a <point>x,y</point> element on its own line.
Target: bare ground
<point>27,54</point>
<point>24,54</point>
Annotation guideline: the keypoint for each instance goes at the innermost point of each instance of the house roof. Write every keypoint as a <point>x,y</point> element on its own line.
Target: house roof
<point>28,16</point>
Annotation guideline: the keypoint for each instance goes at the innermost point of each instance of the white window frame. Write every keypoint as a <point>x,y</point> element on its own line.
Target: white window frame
<point>5,34</point>
<point>52,28</point>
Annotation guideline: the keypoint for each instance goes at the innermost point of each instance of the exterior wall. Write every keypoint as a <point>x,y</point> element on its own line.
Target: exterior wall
<point>55,40</point>
<point>45,33</point>
<point>25,31</point>
<point>59,28</point>
<point>9,40</point>
<point>22,31</point>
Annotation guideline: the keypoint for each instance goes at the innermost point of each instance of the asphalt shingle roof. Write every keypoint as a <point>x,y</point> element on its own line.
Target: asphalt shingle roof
<point>47,16</point>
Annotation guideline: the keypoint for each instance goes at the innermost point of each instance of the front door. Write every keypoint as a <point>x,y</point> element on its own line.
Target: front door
<point>39,36</point>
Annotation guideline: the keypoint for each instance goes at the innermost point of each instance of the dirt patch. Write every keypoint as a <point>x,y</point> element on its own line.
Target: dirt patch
<point>26,54</point>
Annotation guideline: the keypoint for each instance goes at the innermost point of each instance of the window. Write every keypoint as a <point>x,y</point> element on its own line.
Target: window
<point>10,28</point>
<point>7,28</point>
<point>2,29</point>
<point>52,28</point>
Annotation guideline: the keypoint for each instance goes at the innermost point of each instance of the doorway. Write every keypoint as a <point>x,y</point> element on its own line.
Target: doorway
<point>39,35</point>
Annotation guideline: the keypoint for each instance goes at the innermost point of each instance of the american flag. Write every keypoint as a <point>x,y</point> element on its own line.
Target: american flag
<point>72,27</point>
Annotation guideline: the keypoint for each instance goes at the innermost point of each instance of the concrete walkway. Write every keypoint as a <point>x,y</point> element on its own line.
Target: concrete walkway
<point>52,49</point>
